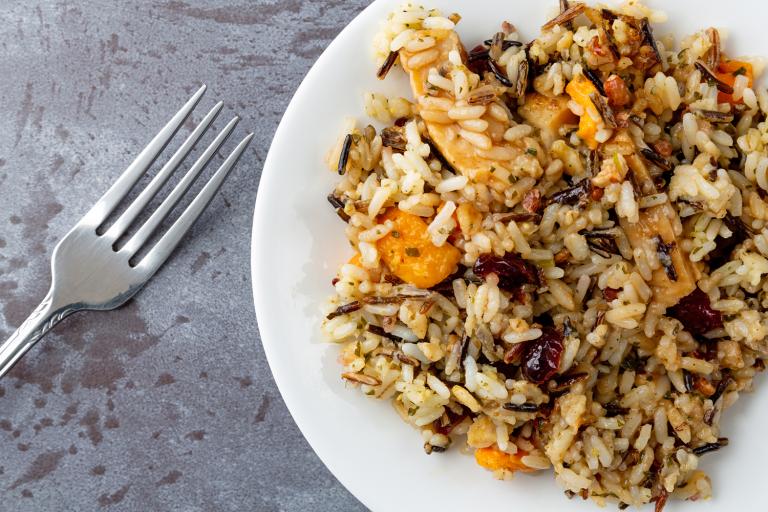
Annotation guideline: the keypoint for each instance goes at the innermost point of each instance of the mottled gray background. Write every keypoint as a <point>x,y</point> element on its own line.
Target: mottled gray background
<point>167,403</point>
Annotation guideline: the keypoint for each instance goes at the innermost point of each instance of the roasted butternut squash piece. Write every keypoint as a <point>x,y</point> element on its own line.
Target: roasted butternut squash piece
<point>727,71</point>
<point>356,260</point>
<point>494,459</point>
<point>580,89</point>
<point>409,253</point>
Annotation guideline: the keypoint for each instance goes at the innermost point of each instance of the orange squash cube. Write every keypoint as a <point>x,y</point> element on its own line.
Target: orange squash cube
<point>494,459</point>
<point>409,253</point>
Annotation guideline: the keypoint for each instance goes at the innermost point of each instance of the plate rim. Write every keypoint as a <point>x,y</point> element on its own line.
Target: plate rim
<point>268,328</point>
<point>264,323</point>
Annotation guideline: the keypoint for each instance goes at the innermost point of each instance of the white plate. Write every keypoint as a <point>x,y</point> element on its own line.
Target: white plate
<point>298,243</point>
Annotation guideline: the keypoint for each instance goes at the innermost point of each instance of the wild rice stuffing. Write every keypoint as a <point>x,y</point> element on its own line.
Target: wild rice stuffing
<point>561,248</point>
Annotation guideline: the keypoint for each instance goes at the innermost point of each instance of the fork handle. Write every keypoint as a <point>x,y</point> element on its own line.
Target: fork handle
<point>37,325</point>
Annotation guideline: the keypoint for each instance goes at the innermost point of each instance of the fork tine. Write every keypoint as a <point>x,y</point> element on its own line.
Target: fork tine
<point>160,252</point>
<point>146,195</point>
<point>104,206</point>
<point>138,240</point>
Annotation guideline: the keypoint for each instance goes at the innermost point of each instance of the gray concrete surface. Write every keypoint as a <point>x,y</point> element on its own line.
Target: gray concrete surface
<point>167,403</point>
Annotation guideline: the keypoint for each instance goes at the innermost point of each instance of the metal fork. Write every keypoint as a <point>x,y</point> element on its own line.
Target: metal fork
<point>89,271</point>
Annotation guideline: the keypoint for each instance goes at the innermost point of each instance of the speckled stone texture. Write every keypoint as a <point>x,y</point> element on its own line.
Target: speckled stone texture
<point>167,403</point>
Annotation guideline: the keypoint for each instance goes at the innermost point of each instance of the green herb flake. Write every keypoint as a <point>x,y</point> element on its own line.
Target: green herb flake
<point>412,252</point>
<point>532,151</point>
<point>395,234</point>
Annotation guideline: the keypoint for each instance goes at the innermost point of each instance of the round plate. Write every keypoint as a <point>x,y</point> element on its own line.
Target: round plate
<point>298,243</point>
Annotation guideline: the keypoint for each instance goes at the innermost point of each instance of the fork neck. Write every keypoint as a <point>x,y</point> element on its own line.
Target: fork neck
<point>49,313</point>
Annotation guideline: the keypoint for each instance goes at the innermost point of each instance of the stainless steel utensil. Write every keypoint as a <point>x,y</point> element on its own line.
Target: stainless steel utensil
<point>89,271</point>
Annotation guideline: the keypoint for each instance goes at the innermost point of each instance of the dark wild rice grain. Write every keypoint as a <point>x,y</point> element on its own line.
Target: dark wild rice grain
<point>713,54</point>
<point>565,16</point>
<point>338,206</point>
<point>526,407</point>
<point>383,300</point>
<point>710,76</point>
<point>601,243</point>
<point>361,378</point>
<point>393,137</point>
<point>407,359</point>
<point>375,329</point>
<point>595,79</point>
<point>664,252</point>
<point>499,74</point>
<point>614,409</point>
<point>344,157</point>
<point>384,69</point>
<point>710,447</point>
<point>518,217</point>
<point>505,45</point>
<point>645,26</point>
<point>688,380</point>
<point>435,152</point>
<point>522,79</point>
<point>714,116</point>
<point>608,32</point>
<point>601,104</point>
<point>577,194</point>
<point>495,50</point>
<point>656,159</point>
<point>344,309</point>
<point>722,386</point>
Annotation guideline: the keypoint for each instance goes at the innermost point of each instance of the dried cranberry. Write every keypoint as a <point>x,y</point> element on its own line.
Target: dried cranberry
<point>541,358</point>
<point>453,422</point>
<point>722,252</point>
<point>477,60</point>
<point>512,271</point>
<point>696,314</point>
<point>610,294</point>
